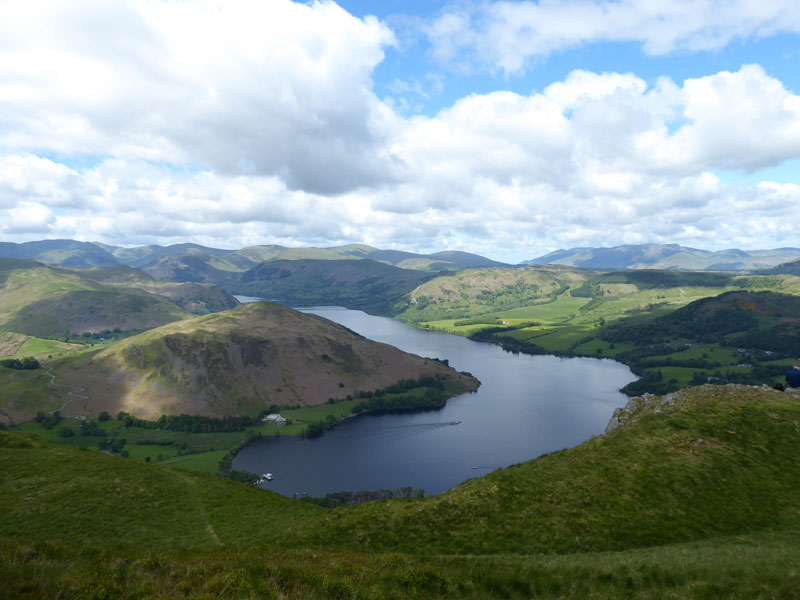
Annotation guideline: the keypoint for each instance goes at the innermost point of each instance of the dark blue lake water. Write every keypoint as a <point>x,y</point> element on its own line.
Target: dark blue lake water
<point>525,407</point>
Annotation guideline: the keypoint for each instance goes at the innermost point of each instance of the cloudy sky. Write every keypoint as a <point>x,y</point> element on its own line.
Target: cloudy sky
<point>508,129</point>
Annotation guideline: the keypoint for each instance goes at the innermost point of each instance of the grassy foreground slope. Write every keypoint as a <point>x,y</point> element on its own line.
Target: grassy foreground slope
<point>690,499</point>
<point>237,363</point>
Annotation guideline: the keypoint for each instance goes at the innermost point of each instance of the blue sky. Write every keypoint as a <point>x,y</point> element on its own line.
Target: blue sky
<point>509,129</point>
<point>411,60</point>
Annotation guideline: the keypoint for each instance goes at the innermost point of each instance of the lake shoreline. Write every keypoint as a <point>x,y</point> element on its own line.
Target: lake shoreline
<point>526,406</point>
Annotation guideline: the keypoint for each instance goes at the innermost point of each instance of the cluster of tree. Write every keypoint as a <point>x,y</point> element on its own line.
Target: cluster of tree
<point>650,382</point>
<point>101,334</point>
<point>507,343</point>
<point>21,364</point>
<point>400,387</point>
<point>586,290</point>
<point>242,476</point>
<point>388,399</point>
<point>405,385</point>
<point>346,498</point>
<point>783,339</point>
<point>431,399</point>
<point>112,444</point>
<point>317,428</point>
<point>48,421</point>
<point>646,279</point>
<point>189,423</point>
<point>227,460</point>
<point>90,427</point>
<point>477,321</point>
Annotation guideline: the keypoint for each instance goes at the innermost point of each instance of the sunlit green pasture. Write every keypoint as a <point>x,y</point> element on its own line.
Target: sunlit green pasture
<point>709,353</point>
<point>43,348</point>
<point>562,339</point>
<point>203,462</point>
<point>562,309</point>
<point>615,307</point>
<point>528,333</point>
<point>684,375</point>
<point>606,348</point>
<point>449,326</point>
<point>307,414</point>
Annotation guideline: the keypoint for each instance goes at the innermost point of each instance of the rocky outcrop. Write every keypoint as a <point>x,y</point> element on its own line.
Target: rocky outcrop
<point>650,404</point>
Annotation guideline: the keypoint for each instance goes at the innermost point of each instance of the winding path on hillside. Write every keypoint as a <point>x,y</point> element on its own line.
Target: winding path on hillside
<point>49,371</point>
<point>193,492</point>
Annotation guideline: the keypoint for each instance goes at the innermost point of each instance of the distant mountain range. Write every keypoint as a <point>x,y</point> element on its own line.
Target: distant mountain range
<point>667,256</point>
<point>70,253</point>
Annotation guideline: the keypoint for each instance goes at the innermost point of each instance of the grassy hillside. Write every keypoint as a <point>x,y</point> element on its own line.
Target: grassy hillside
<point>361,284</point>
<point>196,298</point>
<point>693,497</point>
<point>52,301</point>
<point>41,300</point>
<point>479,291</point>
<point>237,362</point>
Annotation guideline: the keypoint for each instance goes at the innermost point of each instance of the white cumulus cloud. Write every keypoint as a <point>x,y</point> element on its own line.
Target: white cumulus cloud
<point>508,36</point>
<point>249,122</point>
<point>279,87</point>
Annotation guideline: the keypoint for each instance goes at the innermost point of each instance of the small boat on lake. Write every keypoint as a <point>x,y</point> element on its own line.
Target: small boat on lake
<point>266,477</point>
<point>455,422</point>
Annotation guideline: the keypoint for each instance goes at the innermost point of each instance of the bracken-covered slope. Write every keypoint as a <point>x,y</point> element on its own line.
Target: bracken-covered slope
<point>239,362</point>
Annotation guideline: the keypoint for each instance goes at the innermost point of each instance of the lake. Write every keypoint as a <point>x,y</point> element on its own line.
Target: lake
<point>526,406</point>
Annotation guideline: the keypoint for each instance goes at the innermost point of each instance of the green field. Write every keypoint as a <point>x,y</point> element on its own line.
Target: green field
<point>200,452</point>
<point>711,353</point>
<point>338,410</point>
<point>40,348</point>
<point>203,462</point>
<point>606,349</point>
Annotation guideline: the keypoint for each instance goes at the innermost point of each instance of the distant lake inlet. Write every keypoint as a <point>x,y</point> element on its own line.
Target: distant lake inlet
<point>526,406</point>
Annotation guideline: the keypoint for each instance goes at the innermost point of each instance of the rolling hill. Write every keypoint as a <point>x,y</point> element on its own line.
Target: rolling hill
<point>155,259</point>
<point>42,300</point>
<point>751,320</point>
<point>667,256</point>
<point>694,496</point>
<point>361,284</point>
<point>67,253</point>
<point>238,362</point>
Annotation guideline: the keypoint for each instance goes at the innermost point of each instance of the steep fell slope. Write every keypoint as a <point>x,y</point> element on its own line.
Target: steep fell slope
<point>239,362</point>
